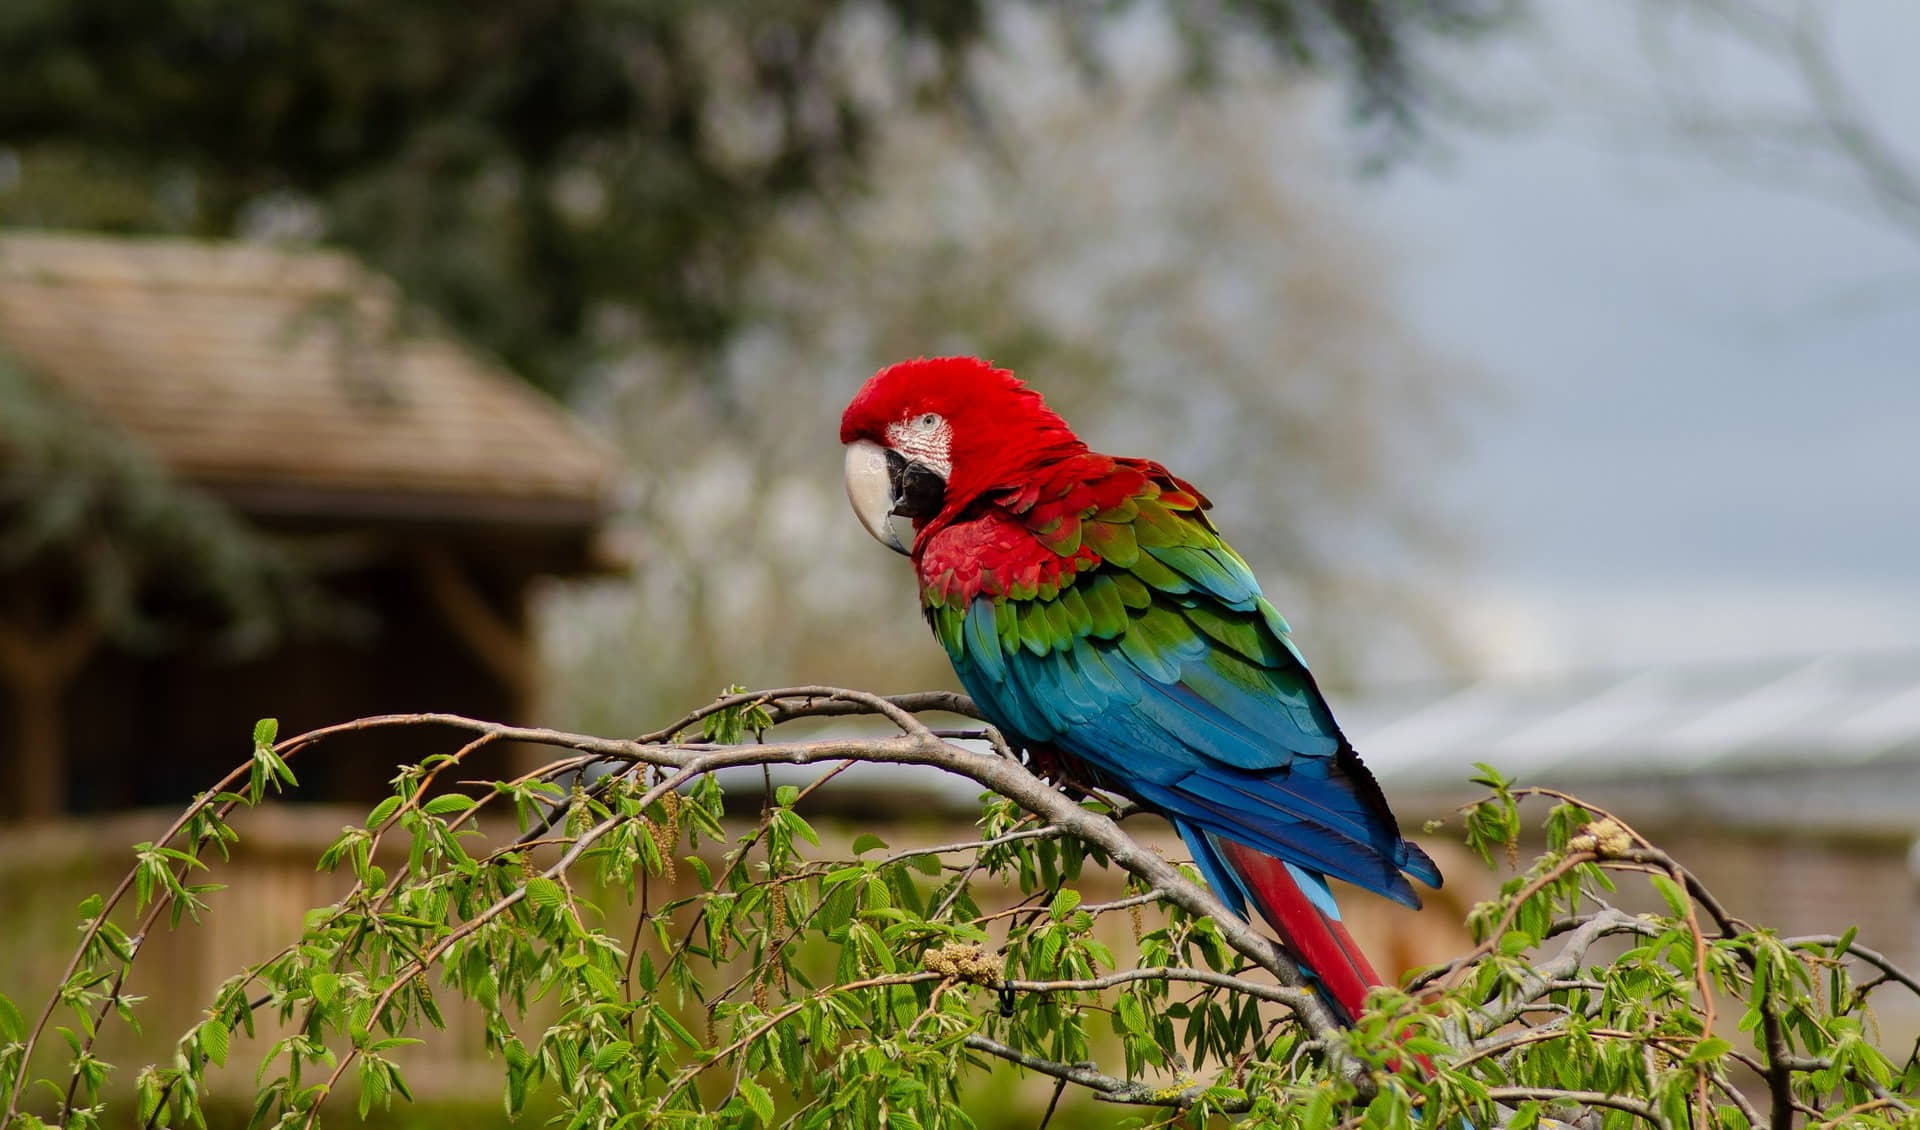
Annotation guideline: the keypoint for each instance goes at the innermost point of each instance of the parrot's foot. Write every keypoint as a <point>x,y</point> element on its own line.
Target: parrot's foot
<point>1059,769</point>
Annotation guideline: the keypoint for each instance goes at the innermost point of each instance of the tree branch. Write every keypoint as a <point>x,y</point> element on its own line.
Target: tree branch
<point>1567,910</point>
<point>1104,1086</point>
<point>918,746</point>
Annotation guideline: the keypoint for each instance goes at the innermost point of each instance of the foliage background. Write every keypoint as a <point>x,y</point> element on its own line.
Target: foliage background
<point>703,225</point>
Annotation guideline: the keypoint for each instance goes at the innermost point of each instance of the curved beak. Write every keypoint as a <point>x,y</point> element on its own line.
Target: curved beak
<point>870,488</point>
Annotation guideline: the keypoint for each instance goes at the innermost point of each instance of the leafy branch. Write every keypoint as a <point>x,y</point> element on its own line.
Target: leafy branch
<point>751,976</point>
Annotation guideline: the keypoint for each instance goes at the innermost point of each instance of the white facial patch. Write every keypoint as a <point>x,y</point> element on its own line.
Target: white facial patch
<point>926,439</point>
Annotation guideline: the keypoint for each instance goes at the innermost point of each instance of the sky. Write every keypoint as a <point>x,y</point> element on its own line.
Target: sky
<point>1700,442</point>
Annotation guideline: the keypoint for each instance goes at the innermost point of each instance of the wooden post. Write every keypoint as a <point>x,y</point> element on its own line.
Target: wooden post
<point>38,666</point>
<point>500,644</point>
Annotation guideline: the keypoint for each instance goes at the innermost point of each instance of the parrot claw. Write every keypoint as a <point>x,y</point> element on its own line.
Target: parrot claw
<point>1050,764</point>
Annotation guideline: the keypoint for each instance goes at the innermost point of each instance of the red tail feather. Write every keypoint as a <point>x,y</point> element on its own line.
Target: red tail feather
<point>1320,941</point>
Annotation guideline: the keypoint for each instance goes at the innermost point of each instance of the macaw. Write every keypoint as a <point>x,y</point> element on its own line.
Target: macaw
<point>1093,612</point>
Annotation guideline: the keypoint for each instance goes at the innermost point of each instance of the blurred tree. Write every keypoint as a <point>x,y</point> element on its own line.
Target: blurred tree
<point>1236,325</point>
<point>558,179</point>
<point>1813,131</point>
<point>99,544</point>
<point>1818,133</point>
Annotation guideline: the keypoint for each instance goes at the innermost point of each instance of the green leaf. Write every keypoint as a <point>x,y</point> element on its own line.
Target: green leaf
<point>374,1085</point>
<point>326,986</point>
<point>1319,1109</point>
<point>149,1095</point>
<point>1675,1105</point>
<point>1713,1047</point>
<point>758,1100</point>
<point>544,893</point>
<point>516,1097</point>
<point>1063,904</point>
<point>1672,892</point>
<point>797,826</point>
<point>214,1041</point>
<point>679,1031</point>
<point>382,811</point>
<point>1489,776</point>
<point>448,803</point>
<point>13,1026</point>
<point>1515,942</point>
<point>867,841</point>
<point>605,1059</point>
<point>266,731</point>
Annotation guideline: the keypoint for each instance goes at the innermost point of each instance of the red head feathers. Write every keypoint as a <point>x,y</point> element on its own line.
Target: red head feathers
<point>978,427</point>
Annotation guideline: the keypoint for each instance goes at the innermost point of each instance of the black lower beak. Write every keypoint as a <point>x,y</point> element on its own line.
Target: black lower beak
<point>918,492</point>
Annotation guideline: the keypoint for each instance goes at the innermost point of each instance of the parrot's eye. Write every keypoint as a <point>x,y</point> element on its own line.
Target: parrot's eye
<point>925,439</point>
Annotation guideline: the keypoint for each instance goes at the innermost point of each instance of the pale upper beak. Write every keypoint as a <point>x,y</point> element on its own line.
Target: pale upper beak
<point>884,484</point>
<point>870,487</point>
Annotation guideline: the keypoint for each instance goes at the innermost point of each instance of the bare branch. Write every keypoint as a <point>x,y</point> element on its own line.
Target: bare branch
<point>1635,1107</point>
<point>1293,998</point>
<point>1006,777</point>
<point>1872,957</point>
<point>1105,1086</point>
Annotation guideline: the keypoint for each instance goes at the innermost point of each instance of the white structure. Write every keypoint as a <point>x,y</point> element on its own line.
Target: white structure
<point>1827,746</point>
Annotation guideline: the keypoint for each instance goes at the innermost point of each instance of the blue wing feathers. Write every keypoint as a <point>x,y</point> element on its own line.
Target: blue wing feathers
<point>1298,842</point>
<point>1417,863</point>
<point>1077,684</point>
<point>1321,804</point>
<point>1226,885</point>
<point>1105,685</point>
<point>1187,688</point>
<point>1272,719</point>
<point>1161,668</point>
<point>980,637</point>
<point>1200,733</point>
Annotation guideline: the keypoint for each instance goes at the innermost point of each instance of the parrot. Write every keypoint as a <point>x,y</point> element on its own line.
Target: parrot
<point>1094,614</point>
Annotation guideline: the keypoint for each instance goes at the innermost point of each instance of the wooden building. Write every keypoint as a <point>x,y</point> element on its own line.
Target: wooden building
<point>420,486</point>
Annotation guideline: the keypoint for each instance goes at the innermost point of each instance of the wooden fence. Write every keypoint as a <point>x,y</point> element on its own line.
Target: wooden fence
<point>271,882</point>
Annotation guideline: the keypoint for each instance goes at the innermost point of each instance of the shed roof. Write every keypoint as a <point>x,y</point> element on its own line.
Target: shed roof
<point>291,381</point>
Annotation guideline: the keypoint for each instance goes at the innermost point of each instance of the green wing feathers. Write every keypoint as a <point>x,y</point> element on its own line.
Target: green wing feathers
<point>1151,576</point>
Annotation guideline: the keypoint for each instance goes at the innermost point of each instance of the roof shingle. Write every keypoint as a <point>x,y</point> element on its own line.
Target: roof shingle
<point>272,375</point>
